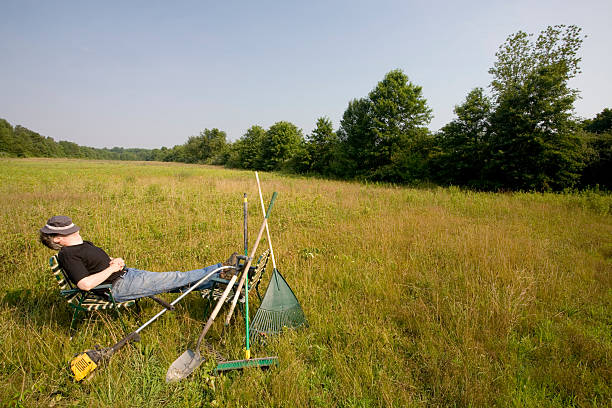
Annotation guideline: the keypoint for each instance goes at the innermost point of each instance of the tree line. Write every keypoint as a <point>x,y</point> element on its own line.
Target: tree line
<point>520,135</point>
<point>19,141</point>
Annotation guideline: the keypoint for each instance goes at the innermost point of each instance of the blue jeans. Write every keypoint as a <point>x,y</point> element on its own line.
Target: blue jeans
<point>136,283</point>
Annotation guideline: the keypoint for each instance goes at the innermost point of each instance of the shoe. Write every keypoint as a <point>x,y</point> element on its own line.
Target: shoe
<point>232,260</point>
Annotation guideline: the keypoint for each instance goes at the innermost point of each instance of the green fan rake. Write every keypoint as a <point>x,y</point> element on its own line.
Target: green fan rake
<point>279,307</point>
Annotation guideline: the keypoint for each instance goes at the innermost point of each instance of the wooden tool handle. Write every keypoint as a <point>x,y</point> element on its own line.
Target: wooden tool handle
<point>267,226</point>
<point>216,311</point>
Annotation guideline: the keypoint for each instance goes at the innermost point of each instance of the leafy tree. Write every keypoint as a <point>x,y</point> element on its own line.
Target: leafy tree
<point>519,58</point>
<point>533,143</point>
<point>398,106</point>
<point>322,146</point>
<point>356,135</point>
<point>23,147</point>
<point>598,138</point>
<point>385,135</point>
<point>156,154</point>
<point>282,141</point>
<point>463,142</point>
<point>216,142</point>
<point>300,160</point>
<point>33,144</point>
<point>601,123</point>
<point>71,149</point>
<point>203,148</point>
<point>195,151</point>
<point>400,115</point>
<point>246,152</point>
<point>177,154</point>
<point>8,144</point>
<point>598,169</point>
<point>23,142</point>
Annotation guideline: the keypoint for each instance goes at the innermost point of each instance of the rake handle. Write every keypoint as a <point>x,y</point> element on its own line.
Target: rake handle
<point>267,227</point>
<point>250,260</point>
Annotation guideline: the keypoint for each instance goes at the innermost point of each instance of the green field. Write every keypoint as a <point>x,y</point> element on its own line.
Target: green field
<point>415,297</point>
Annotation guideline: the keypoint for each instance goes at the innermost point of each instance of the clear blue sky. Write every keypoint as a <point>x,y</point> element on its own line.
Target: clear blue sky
<point>152,73</point>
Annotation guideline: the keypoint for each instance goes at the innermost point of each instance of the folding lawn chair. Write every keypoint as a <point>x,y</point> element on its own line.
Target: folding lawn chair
<point>219,284</point>
<point>99,298</point>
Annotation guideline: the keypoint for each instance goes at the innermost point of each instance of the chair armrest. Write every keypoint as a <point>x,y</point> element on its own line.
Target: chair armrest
<point>72,291</point>
<point>219,280</point>
<point>67,292</point>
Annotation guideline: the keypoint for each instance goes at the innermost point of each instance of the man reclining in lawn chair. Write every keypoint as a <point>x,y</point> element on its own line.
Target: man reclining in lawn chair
<point>89,266</point>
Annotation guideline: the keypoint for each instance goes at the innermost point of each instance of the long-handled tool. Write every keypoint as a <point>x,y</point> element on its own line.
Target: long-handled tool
<point>86,362</point>
<point>279,307</point>
<point>187,362</point>
<point>247,352</point>
<point>248,361</point>
<point>184,365</point>
<point>250,259</point>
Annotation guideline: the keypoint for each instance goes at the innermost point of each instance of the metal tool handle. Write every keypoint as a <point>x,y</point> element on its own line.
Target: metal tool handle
<point>175,301</point>
<point>250,260</point>
<point>245,216</point>
<point>246,282</point>
<point>133,335</point>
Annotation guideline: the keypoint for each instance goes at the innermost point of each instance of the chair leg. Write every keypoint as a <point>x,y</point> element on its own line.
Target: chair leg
<point>206,307</point>
<point>137,306</point>
<point>72,325</point>
<point>210,299</point>
<point>77,308</point>
<point>241,307</point>
<point>118,313</point>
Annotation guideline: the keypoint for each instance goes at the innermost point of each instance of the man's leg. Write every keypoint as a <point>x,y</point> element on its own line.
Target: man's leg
<point>138,283</point>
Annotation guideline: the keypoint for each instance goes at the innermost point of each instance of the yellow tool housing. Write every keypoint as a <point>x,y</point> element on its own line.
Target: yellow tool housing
<point>82,365</point>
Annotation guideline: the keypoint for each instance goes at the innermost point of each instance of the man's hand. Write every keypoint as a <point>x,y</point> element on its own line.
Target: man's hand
<point>117,262</point>
<point>91,281</point>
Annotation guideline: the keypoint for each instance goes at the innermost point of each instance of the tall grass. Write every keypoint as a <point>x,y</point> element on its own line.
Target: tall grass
<point>415,297</point>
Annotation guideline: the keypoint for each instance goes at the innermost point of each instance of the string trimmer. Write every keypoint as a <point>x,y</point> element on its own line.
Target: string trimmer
<point>86,362</point>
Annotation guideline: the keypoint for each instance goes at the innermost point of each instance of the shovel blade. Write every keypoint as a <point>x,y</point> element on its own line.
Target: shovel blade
<point>183,366</point>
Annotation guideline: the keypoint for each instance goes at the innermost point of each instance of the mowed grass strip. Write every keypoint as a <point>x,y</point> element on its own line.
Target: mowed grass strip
<point>415,297</point>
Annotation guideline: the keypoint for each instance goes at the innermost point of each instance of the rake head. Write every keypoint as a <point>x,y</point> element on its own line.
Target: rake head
<point>279,308</point>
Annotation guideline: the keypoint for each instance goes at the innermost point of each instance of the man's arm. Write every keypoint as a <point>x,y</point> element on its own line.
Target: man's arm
<point>91,281</point>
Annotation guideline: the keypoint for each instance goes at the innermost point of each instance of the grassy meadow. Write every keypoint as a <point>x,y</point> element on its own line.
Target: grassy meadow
<point>415,297</point>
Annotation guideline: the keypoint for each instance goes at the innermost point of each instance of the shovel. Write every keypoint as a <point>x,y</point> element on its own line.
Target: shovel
<point>187,362</point>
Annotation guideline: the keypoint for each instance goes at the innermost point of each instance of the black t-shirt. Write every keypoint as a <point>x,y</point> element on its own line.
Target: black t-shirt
<point>80,261</point>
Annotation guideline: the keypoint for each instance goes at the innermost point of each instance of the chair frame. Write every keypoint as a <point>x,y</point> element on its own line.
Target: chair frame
<point>99,298</point>
<point>220,284</point>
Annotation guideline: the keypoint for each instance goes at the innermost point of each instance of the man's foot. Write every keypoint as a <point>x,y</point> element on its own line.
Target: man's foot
<point>232,260</point>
